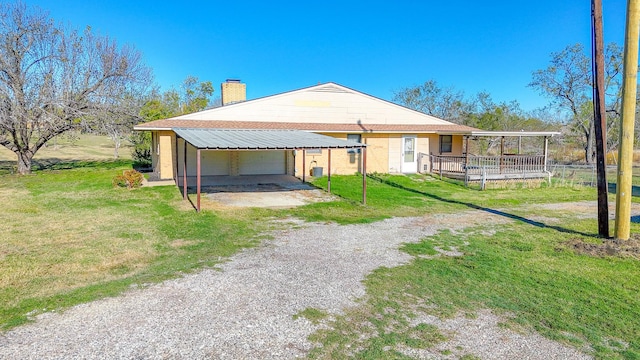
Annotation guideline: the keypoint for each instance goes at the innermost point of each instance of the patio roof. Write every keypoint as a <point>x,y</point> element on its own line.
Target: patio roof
<point>514,133</point>
<point>237,139</point>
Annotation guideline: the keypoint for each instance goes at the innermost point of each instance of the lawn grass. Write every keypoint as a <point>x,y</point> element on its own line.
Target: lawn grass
<point>71,150</point>
<point>69,236</point>
<point>522,269</point>
<point>414,195</point>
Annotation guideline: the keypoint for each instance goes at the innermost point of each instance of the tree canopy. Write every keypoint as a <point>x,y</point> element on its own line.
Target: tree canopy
<point>567,82</point>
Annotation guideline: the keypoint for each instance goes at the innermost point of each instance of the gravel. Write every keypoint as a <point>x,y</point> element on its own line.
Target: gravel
<point>245,309</point>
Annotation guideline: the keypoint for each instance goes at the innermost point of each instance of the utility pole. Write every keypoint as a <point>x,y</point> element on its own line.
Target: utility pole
<point>625,152</point>
<point>599,115</point>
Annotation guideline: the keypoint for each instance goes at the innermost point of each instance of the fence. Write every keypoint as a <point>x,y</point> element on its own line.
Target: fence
<point>476,165</point>
<point>586,174</point>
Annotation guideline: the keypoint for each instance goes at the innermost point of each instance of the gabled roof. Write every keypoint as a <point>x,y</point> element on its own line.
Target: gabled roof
<point>326,107</point>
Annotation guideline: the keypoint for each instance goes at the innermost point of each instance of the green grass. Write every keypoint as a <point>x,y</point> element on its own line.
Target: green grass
<point>521,269</point>
<point>415,195</point>
<point>69,237</point>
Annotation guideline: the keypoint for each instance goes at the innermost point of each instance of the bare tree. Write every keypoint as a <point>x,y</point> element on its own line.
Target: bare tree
<point>54,79</point>
<point>429,98</point>
<point>567,82</point>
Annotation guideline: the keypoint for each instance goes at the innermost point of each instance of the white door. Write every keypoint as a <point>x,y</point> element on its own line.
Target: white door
<point>409,154</point>
<point>262,163</point>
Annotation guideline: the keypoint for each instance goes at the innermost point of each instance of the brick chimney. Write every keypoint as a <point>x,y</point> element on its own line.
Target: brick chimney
<point>233,91</point>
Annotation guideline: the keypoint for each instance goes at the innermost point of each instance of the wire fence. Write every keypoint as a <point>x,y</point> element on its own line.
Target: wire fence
<point>586,174</point>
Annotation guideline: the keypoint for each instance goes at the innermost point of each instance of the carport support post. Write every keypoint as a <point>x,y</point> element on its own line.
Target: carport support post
<point>304,164</point>
<point>198,176</point>
<point>364,175</point>
<point>184,172</point>
<point>329,174</point>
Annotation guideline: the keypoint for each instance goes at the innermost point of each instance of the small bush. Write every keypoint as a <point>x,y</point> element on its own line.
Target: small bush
<point>141,152</point>
<point>130,179</point>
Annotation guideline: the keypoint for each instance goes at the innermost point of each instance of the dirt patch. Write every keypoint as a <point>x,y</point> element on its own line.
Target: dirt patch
<point>629,248</point>
<point>266,195</point>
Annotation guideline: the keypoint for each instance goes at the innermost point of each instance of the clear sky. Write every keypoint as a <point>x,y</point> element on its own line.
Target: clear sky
<point>376,47</point>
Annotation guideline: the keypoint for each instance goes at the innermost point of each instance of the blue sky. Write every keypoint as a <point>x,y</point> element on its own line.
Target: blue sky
<point>376,47</point>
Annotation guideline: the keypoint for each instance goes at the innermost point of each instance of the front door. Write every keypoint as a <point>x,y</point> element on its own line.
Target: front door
<point>409,154</point>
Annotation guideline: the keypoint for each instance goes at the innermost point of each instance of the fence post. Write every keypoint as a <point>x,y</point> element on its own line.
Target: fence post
<point>440,166</point>
<point>483,183</point>
<point>466,175</point>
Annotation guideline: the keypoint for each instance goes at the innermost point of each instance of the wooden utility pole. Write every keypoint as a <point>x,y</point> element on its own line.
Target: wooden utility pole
<point>625,151</point>
<point>599,115</point>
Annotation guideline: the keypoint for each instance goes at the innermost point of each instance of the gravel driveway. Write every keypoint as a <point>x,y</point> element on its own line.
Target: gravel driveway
<point>246,310</point>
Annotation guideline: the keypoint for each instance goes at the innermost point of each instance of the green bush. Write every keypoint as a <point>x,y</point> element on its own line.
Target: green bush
<point>130,179</point>
<point>141,151</point>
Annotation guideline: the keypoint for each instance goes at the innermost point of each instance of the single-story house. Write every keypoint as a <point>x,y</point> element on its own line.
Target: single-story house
<point>293,132</point>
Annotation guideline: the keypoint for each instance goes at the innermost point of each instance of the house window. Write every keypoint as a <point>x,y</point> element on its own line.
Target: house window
<point>446,143</point>
<point>314,151</point>
<point>357,138</point>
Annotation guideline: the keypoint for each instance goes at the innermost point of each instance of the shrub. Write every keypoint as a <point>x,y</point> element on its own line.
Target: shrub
<point>130,179</point>
<point>141,152</point>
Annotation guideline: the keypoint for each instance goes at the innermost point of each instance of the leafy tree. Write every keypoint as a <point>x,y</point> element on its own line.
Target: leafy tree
<point>54,79</point>
<point>480,111</point>
<point>431,99</point>
<point>567,81</point>
<point>195,96</point>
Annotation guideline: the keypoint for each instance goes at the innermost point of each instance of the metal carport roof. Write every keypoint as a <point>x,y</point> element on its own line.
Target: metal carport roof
<point>249,139</point>
<point>266,140</point>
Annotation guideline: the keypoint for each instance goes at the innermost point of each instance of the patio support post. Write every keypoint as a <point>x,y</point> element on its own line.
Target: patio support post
<point>546,149</point>
<point>198,176</point>
<point>175,173</point>
<point>184,171</point>
<point>364,175</point>
<point>501,154</point>
<point>329,174</point>
<point>466,149</point>
<point>304,164</point>
<point>519,145</point>
<point>466,160</point>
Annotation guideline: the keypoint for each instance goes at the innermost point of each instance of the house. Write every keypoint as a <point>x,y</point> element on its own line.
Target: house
<point>292,132</point>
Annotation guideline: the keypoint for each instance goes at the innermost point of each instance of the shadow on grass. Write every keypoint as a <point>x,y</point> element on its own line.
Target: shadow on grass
<point>635,190</point>
<point>482,208</point>
<point>9,167</point>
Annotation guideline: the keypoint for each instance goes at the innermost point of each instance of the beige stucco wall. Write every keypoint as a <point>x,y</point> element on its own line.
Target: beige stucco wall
<point>384,155</point>
<point>456,147</point>
<point>163,153</point>
<point>345,161</point>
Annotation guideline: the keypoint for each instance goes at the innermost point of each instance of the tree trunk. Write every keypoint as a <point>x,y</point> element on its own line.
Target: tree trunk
<point>24,162</point>
<point>589,148</point>
<point>116,147</point>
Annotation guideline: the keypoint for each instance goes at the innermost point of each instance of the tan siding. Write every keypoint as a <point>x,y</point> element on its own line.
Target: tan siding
<point>457,145</point>
<point>395,153</point>
<point>166,141</point>
<point>345,162</point>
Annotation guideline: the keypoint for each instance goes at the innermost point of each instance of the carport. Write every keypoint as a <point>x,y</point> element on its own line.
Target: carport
<point>217,140</point>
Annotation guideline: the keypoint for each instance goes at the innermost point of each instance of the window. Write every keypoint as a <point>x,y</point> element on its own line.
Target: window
<point>314,151</point>
<point>354,137</point>
<point>446,143</point>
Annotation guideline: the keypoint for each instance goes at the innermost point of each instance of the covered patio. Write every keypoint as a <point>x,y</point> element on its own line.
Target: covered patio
<point>506,166</point>
<point>220,140</point>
